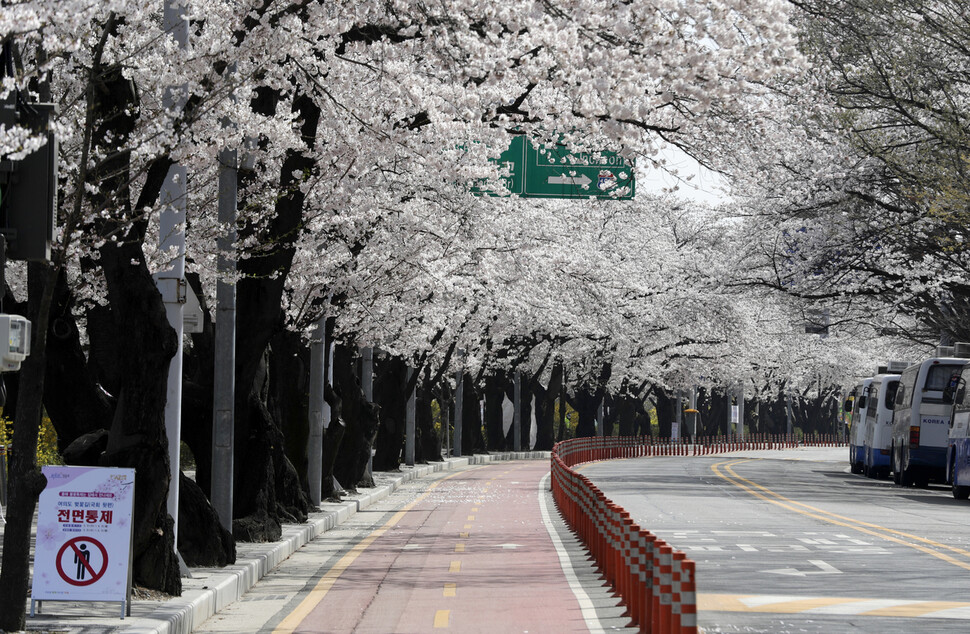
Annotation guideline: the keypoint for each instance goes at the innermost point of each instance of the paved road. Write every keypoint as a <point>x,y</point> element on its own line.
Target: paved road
<point>480,550</point>
<point>802,545</point>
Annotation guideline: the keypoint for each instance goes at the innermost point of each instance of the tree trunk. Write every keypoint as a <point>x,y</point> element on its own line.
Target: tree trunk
<point>525,416</point>
<point>137,438</point>
<point>666,409</point>
<point>288,398</point>
<point>472,440</point>
<point>495,393</point>
<point>266,485</point>
<point>360,420</point>
<point>390,394</point>
<point>78,406</point>
<point>202,539</point>
<point>26,481</point>
<point>427,442</point>
<point>586,404</point>
<point>332,438</point>
<point>546,409</point>
<point>267,490</point>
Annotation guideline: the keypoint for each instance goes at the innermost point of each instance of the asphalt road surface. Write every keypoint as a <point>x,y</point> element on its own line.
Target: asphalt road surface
<point>803,545</point>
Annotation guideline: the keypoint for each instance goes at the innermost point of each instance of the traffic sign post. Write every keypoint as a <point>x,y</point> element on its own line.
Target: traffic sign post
<point>84,532</point>
<point>555,172</point>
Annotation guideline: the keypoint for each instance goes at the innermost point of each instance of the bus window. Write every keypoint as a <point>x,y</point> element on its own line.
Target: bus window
<point>938,377</point>
<point>900,394</point>
<point>891,394</point>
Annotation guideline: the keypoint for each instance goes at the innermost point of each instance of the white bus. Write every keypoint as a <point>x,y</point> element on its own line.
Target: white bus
<point>921,421</point>
<point>857,426</point>
<point>878,434</point>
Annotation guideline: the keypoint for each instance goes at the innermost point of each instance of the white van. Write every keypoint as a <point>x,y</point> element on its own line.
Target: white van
<point>921,421</point>
<point>857,426</point>
<point>878,434</point>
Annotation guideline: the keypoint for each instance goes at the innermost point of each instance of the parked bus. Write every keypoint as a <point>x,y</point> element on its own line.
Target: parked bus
<point>921,421</point>
<point>857,425</point>
<point>878,433</point>
<point>958,452</point>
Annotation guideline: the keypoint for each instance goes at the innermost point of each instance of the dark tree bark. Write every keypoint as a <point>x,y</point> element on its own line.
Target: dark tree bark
<point>288,398</point>
<point>525,417</point>
<point>359,418</point>
<point>472,440</point>
<point>666,405</point>
<point>211,546</point>
<point>587,402</point>
<point>198,373</point>
<point>390,394</point>
<point>713,408</point>
<point>332,439</point>
<point>77,406</point>
<point>267,488</point>
<point>427,445</point>
<point>546,408</point>
<point>631,415</point>
<point>496,387</point>
<point>137,439</point>
<point>26,480</point>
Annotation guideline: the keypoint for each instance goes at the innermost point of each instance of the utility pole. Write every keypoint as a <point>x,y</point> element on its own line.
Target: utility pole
<point>318,369</point>
<point>224,381</point>
<point>171,283</point>
<point>409,422</point>
<point>678,415</point>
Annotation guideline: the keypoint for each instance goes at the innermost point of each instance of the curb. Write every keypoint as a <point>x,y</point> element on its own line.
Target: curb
<point>223,586</point>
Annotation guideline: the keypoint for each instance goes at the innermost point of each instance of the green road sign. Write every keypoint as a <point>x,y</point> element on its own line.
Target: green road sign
<point>557,173</point>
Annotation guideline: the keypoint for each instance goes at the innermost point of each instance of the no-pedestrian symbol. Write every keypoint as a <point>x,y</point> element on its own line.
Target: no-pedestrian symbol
<point>82,561</point>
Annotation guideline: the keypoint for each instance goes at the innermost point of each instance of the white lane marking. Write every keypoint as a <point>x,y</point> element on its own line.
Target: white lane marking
<point>585,604</point>
<point>748,548</point>
<point>823,569</point>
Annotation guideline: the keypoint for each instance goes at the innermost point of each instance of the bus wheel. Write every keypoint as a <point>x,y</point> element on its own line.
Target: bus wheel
<point>961,492</point>
<point>906,478</point>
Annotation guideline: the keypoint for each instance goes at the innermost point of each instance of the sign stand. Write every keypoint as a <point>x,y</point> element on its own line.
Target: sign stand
<point>81,552</point>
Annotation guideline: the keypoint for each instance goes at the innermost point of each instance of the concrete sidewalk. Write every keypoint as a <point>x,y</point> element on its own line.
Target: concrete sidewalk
<point>212,589</point>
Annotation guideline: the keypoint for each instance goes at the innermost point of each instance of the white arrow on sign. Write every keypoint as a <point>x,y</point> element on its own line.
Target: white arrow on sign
<point>823,569</point>
<point>582,180</point>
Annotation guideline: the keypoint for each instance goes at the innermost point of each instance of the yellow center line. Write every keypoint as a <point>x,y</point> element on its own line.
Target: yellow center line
<point>459,547</point>
<point>474,509</point>
<point>463,535</point>
<point>317,594</point>
<point>441,618</point>
<point>455,566</point>
<point>450,589</point>
<point>471,518</point>
<point>467,526</point>
<point>768,495</point>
